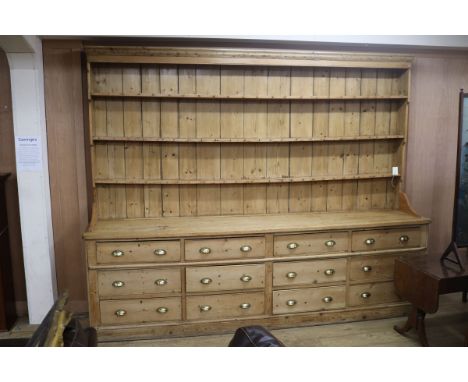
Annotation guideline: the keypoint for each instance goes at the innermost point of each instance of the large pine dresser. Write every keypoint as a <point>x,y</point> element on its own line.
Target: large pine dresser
<point>245,186</point>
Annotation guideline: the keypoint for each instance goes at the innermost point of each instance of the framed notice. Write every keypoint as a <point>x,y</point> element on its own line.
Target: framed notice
<point>28,153</point>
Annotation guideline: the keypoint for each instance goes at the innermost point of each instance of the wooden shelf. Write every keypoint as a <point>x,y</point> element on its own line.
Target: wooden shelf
<point>249,98</point>
<point>248,224</point>
<point>247,140</point>
<point>245,181</point>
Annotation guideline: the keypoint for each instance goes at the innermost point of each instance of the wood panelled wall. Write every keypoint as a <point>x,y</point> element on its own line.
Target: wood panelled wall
<point>432,146</point>
<point>66,152</point>
<point>429,181</point>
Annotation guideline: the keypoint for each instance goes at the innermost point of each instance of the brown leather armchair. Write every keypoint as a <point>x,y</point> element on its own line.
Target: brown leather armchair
<point>254,336</point>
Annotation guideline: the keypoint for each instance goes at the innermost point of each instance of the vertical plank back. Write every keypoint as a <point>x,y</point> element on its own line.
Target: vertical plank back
<point>146,141</point>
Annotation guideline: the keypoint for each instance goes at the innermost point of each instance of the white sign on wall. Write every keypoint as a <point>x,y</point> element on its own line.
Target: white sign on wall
<point>28,153</point>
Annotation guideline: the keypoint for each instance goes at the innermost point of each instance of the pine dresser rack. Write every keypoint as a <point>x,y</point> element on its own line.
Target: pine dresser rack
<point>245,186</point>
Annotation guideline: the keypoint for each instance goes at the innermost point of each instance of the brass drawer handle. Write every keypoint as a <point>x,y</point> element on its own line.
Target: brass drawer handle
<point>205,251</point>
<point>118,253</point>
<point>365,295</point>
<point>245,306</point>
<point>327,299</point>
<point>118,284</point>
<point>161,282</point>
<point>366,268</point>
<point>292,245</point>
<point>160,252</point>
<point>291,302</point>
<point>204,308</point>
<point>369,241</point>
<point>404,238</point>
<point>329,272</point>
<point>330,243</point>
<point>120,312</point>
<point>162,310</point>
<point>291,275</point>
<point>206,281</point>
<point>246,278</point>
<point>246,248</point>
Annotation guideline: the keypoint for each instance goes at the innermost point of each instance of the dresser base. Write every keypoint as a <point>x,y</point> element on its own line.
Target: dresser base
<point>153,331</point>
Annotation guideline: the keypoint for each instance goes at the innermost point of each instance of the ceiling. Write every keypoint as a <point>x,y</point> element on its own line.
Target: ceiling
<point>22,44</point>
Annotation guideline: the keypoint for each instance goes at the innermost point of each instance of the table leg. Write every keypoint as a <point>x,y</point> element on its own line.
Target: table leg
<point>421,327</point>
<point>411,322</point>
<point>416,321</point>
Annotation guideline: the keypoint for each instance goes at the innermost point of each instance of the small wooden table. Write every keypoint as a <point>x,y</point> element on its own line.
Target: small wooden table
<point>420,280</point>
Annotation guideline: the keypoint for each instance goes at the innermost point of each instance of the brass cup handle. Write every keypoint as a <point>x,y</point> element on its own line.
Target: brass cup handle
<point>205,251</point>
<point>329,272</point>
<point>366,268</point>
<point>246,278</point>
<point>118,253</point>
<point>291,302</point>
<point>327,299</point>
<point>120,312</point>
<point>404,238</point>
<point>291,275</point>
<point>162,310</point>
<point>245,306</point>
<point>369,241</point>
<point>160,252</point>
<point>206,280</point>
<point>161,282</point>
<point>246,248</point>
<point>118,284</point>
<point>204,308</point>
<point>365,295</point>
<point>330,243</point>
<point>292,245</point>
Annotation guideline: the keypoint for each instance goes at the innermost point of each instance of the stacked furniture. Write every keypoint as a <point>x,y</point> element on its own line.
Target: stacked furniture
<point>236,187</point>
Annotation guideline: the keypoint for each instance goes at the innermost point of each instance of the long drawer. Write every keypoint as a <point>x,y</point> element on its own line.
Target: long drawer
<point>214,307</point>
<point>309,272</point>
<point>138,252</point>
<point>219,278</point>
<point>371,268</point>
<point>228,248</point>
<point>399,238</point>
<point>308,299</point>
<point>138,282</point>
<point>294,245</point>
<point>371,294</point>
<point>140,310</point>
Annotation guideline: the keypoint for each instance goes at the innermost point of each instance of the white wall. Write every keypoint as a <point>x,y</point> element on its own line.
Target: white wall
<point>27,87</point>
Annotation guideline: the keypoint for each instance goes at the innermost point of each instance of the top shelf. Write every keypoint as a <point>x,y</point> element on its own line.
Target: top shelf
<point>246,97</point>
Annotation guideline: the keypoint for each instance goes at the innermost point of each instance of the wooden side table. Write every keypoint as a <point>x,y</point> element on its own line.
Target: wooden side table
<point>420,280</point>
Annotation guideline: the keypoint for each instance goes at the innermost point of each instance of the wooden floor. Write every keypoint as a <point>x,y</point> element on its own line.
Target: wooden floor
<point>445,328</point>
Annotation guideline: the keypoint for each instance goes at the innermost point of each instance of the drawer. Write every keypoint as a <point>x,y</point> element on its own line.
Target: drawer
<point>328,242</point>
<point>138,252</point>
<point>308,299</point>
<point>228,248</point>
<point>138,282</point>
<point>372,294</point>
<point>309,272</point>
<point>231,277</point>
<point>375,240</point>
<point>140,311</point>
<point>370,268</point>
<point>225,306</point>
